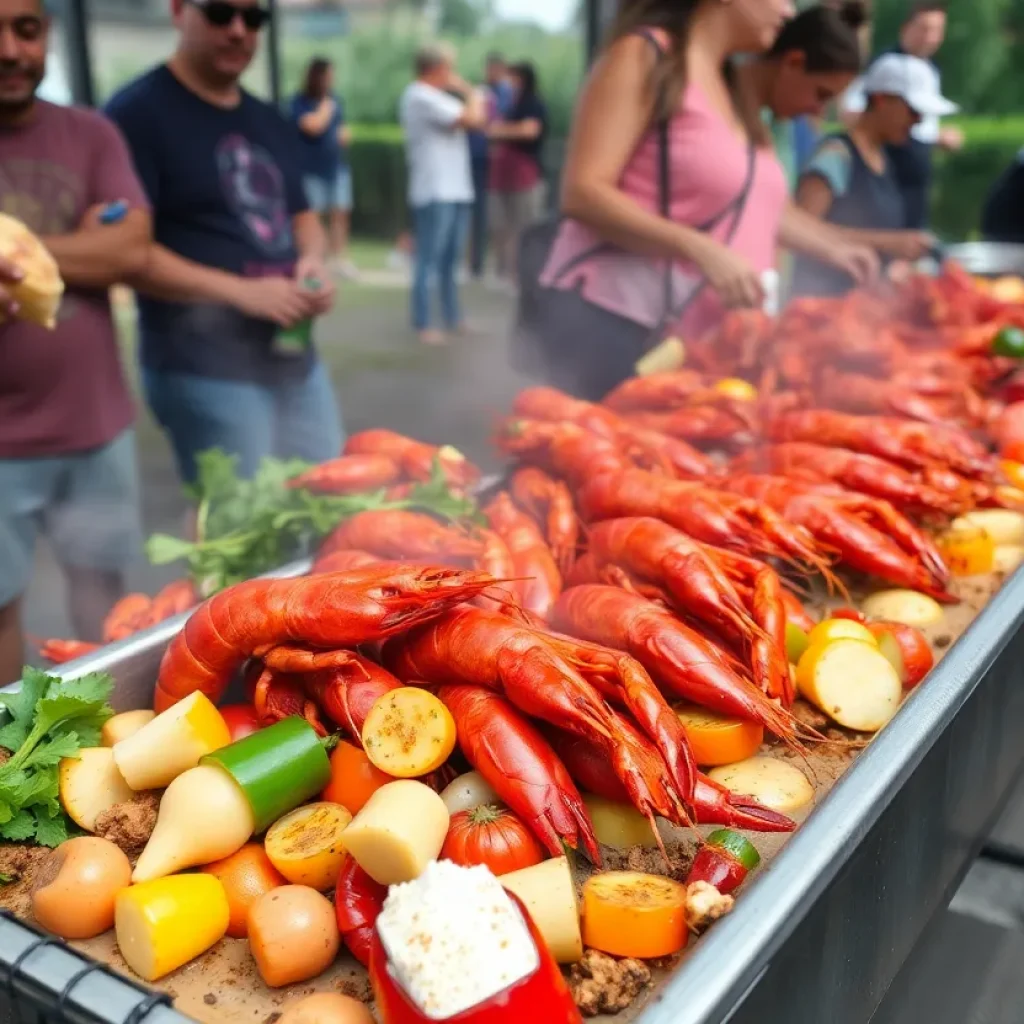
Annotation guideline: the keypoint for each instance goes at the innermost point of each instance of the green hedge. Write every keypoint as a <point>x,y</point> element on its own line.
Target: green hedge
<point>962,179</point>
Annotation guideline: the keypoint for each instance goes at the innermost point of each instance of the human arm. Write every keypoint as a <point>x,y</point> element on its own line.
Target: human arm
<point>802,232</point>
<point>311,245</point>
<point>951,138</point>
<point>613,113</point>
<point>98,255</point>
<point>509,131</point>
<point>9,275</point>
<point>315,122</point>
<point>471,112</point>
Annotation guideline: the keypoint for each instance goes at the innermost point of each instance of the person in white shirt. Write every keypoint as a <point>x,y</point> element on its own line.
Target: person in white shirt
<point>435,111</point>
<point>921,35</point>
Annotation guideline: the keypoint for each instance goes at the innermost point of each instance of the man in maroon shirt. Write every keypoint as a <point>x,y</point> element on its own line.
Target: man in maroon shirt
<point>67,458</point>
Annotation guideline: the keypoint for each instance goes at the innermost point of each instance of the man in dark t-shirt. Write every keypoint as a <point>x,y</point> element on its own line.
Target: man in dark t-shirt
<point>237,272</point>
<point>67,451</point>
<point>921,36</point>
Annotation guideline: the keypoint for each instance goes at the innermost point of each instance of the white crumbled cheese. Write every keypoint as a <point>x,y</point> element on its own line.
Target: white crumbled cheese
<point>454,938</point>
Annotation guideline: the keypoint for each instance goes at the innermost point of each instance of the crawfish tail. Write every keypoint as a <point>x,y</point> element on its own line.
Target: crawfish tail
<point>346,694</point>
<point>128,616</point>
<point>521,767</point>
<point>348,474</point>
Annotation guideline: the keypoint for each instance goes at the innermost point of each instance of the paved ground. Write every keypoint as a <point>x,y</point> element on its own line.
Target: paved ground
<point>383,378</point>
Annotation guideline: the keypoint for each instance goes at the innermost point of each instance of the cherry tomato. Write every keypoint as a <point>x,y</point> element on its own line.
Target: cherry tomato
<point>241,720</point>
<point>492,836</point>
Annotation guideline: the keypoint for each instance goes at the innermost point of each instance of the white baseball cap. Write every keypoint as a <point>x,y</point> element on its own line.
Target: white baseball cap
<point>913,80</point>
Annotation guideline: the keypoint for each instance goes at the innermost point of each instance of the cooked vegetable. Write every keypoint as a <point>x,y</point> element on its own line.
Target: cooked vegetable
<point>354,778</point>
<point>1007,557</point>
<point>357,904</point>
<point>241,720</point>
<point>848,613</point>
<point>724,861</point>
<point>1009,343</point>
<point>906,606</point>
<point>717,739</point>
<point>667,355</point>
<point>307,845</point>
<point>91,784</point>
<point>203,817</point>
<point>408,732</point>
<point>906,648</point>
<point>398,832</point>
<point>618,825</point>
<point>73,890</point>
<point>173,742</point>
<point>326,1008</point>
<point>121,726</point>
<point>50,719</point>
<point>468,791</point>
<point>164,923</point>
<point>967,550</point>
<point>852,682</point>
<point>277,768</point>
<point>246,876</point>
<point>796,642</point>
<point>549,894</point>
<point>493,837</point>
<point>627,913</point>
<point>839,629</point>
<point>1003,525</point>
<point>1013,472</point>
<point>293,934</point>
<point>774,783</point>
<point>736,387</point>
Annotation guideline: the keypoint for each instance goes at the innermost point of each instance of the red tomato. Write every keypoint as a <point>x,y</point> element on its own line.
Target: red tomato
<point>847,613</point>
<point>906,648</point>
<point>241,720</point>
<point>491,836</point>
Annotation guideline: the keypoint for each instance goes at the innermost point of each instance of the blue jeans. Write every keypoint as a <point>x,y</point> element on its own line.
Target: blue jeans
<point>440,230</point>
<point>293,419</point>
<point>478,217</point>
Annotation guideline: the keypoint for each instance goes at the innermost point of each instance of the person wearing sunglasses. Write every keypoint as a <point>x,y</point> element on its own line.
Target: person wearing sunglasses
<point>67,450</point>
<point>236,278</point>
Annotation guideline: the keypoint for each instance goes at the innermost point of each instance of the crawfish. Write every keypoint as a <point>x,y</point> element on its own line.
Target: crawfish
<point>706,424</point>
<point>533,565</point>
<point>906,442</point>
<point>671,455</point>
<point>175,598</point>
<point>712,516</point>
<point>518,763</point>
<point>868,534</point>
<point>344,559</point>
<point>57,651</point>
<point>565,450</point>
<point>480,648</point>
<point>680,660</point>
<point>348,474</point>
<point>658,391</point>
<point>329,612</point>
<point>416,458</point>
<point>129,615</point>
<point>712,804</point>
<point>854,471</point>
<point>699,580</point>
<point>395,533</point>
<point>550,504</point>
<point>550,404</point>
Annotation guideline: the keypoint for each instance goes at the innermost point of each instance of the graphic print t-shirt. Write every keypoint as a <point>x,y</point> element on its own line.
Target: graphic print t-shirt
<point>224,186</point>
<point>63,391</point>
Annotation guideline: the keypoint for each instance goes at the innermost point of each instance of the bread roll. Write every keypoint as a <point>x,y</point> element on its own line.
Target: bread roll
<point>39,292</point>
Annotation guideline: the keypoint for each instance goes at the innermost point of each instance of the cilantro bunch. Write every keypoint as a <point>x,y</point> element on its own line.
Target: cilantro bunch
<point>50,719</point>
<point>247,527</point>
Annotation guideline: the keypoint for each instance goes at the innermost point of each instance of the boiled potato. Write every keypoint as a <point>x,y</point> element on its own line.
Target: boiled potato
<point>91,784</point>
<point>549,894</point>
<point>1007,557</point>
<point>1003,525</point>
<point>120,727</point>
<point>906,606</point>
<point>852,682</point>
<point>408,733</point>
<point>619,825</point>
<point>774,783</point>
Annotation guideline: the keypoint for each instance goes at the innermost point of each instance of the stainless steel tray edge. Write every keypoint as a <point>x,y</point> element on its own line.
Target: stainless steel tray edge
<point>822,933</point>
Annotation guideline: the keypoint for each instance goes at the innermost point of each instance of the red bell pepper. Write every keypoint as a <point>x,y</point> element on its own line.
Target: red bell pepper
<point>724,861</point>
<point>358,900</point>
<point>540,998</point>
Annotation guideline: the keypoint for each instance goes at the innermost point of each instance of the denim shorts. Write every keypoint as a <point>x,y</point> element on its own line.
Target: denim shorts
<point>87,504</point>
<point>323,194</point>
<point>296,418</point>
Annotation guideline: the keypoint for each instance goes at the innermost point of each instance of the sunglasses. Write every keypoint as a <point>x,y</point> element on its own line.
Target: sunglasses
<point>221,13</point>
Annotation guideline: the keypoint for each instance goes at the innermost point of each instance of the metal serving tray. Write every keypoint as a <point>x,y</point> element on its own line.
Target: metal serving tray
<point>819,936</point>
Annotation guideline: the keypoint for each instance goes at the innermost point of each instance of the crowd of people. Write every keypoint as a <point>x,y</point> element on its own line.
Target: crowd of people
<point>692,164</point>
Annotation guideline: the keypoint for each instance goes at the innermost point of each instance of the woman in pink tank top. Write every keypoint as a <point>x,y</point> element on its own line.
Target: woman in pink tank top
<point>667,227</point>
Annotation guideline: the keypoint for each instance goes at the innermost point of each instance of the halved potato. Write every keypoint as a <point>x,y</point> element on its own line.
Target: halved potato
<point>1003,525</point>
<point>906,606</point>
<point>1007,557</point>
<point>120,727</point>
<point>91,784</point>
<point>619,825</point>
<point>774,783</point>
<point>307,845</point>
<point>408,733</point>
<point>852,682</point>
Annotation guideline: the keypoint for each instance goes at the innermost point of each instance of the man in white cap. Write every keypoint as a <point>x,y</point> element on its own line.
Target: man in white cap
<point>921,35</point>
<point>851,180</point>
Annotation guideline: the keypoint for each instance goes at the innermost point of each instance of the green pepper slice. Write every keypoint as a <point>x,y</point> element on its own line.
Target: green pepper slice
<point>1009,342</point>
<point>277,768</point>
<point>740,847</point>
